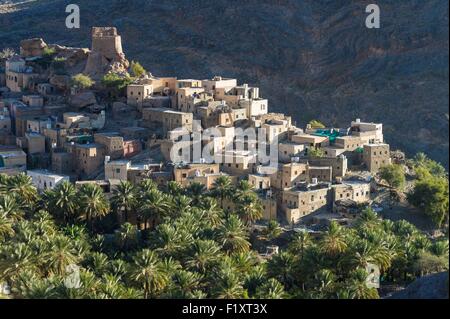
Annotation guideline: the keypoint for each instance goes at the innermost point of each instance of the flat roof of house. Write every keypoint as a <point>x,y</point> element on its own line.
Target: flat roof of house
<point>306,135</point>
<point>302,188</point>
<point>73,114</point>
<point>112,134</point>
<point>371,123</point>
<point>90,145</point>
<point>320,167</point>
<point>45,172</point>
<point>165,110</point>
<point>376,144</point>
<point>5,153</point>
<point>134,128</point>
<point>119,162</point>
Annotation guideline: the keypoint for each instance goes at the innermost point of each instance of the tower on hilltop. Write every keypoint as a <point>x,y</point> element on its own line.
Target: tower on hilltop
<point>106,54</point>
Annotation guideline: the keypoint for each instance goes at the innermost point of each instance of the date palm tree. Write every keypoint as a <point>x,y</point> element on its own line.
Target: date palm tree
<point>124,199</point>
<point>227,285</point>
<point>222,188</point>
<point>111,287</point>
<point>185,284</point>
<point>147,185</point>
<point>196,191</point>
<point>4,181</point>
<point>367,220</point>
<point>271,289</point>
<point>62,201</point>
<point>249,208</point>
<point>201,254</point>
<point>244,261</point>
<point>168,240</point>
<point>254,278</point>
<point>233,236</point>
<point>243,188</point>
<point>212,213</point>
<point>29,286</point>
<point>174,188</point>
<point>273,230</point>
<point>281,267</point>
<point>127,237</point>
<point>92,203</point>
<point>181,204</point>
<point>23,189</point>
<point>16,259</point>
<point>334,241</point>
<point>10,208</point>
<point>154,205</point>
<point>6,227</point>
<point>60,254</point>
<point>324,282</point>
<point>440,248</point>
<point>300,242</point>
<point>148,273</point>
<point>98,262</point>
<point>358,288</point>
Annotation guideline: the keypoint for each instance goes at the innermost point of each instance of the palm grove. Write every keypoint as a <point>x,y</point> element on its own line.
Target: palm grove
<point>146,242</point>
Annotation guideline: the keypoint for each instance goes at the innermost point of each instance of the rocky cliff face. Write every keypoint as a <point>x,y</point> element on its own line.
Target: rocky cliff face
<point>313,59</point>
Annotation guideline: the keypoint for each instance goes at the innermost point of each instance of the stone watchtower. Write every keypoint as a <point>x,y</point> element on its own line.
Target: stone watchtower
<point>106,41</point>
<point>106,53</point>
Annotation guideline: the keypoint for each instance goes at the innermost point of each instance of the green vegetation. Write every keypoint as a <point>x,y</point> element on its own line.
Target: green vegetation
<point>315,152</point>
<point>430,192</point>
<point>137,69</point>
<point>425,167</point>
<point>115,82</point>
<point>394,175</point>
<point>431,195</point>
<point>48,52</point>
<point>315,124</point>
<point>82,81</point>
<point>178,243</point>
<point>59,65</point>
<point>48,58</point>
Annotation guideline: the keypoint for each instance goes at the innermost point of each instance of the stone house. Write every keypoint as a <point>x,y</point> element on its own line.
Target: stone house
<point>166,118</point>
<point>204,174</point>
<point>62,162</point>
<point>304,200</point>
<point>376,156</point>
<point>13,160</point>
<point>88,158</point>
<point>113,143</point>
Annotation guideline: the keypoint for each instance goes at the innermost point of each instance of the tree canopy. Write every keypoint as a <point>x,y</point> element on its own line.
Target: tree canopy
<point>394,175</point>
<point>82,81</point>
<point>146,242</point>
<point>137,69</point>
<point>315,124</point>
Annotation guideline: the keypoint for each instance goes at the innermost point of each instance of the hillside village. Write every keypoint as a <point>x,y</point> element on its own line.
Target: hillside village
<point>110,131</point>
<point>196,180</point>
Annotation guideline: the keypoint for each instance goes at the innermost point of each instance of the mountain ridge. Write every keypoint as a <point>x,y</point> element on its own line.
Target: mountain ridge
<point>311,59</point>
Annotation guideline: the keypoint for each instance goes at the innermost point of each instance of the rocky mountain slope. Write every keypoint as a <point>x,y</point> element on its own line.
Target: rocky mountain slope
<point>433,286</point>
<point>313,59</point>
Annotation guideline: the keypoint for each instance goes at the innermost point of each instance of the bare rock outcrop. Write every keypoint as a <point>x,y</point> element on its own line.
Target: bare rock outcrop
<point>433,286</point>
<point>106,54</point>
<point>62,82</point>
<point>32,47</point>
<point>73,56</point>
<point>83,99</point>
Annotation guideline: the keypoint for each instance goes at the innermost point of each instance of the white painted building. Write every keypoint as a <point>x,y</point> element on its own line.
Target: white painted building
<point>255,107</point>
<point>44,179</point>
